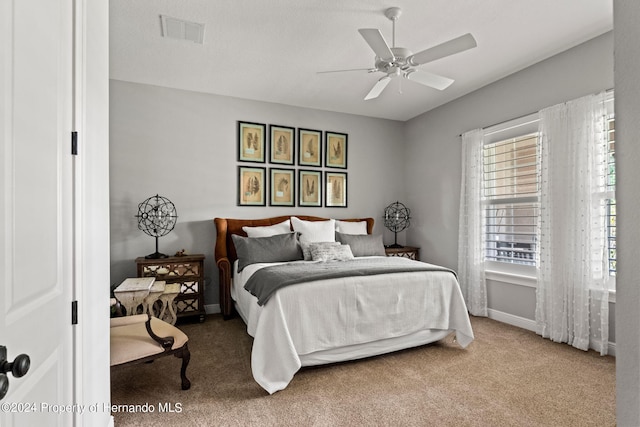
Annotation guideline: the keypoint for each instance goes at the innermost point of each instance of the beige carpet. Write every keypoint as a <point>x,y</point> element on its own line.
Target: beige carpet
<point>507,377</point>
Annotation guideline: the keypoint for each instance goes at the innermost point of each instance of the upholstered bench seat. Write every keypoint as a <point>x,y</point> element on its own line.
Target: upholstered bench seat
<point>142,338</point>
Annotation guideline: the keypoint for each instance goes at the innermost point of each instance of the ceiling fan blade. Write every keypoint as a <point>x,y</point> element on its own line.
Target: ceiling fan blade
<point>369,70</point>
<point>428,79</point>
<point>376,41</point>
<point>378,88</point>
<point>451,47</point>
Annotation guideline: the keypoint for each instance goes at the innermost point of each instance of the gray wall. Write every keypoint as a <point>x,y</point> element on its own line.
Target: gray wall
<point>433,155</point>
<point>182,145</point>
<point>627,105</point>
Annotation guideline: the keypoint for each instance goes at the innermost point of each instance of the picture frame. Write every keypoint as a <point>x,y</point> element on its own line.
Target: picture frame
<point>251,142</point>
<point>309,147</point>
<point>282,145</point>
<point>251,186</point>
<point>309,188</point>
<point>282,189</point>
<point>335,189</point>
<point>336,150</point>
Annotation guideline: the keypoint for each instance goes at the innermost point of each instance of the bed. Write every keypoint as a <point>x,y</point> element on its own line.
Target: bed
<point>335,311</point>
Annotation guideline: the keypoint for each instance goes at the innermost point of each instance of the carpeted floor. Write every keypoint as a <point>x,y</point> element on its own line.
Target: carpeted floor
<point>507,377</point>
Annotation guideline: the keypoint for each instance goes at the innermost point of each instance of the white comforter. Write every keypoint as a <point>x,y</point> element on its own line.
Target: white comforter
<point>319,316</point>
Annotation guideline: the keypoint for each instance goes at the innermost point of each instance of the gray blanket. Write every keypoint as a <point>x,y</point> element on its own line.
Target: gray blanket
<point>266,281</point>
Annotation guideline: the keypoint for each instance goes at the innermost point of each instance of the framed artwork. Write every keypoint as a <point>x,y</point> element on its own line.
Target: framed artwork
<point>336,150</point>
<point>309,147</point>
<point>251,143</point>
<point>282,187</point>
<point>251,186</point>
<point>282,144</point>
<point>335,189</point>
<point>309,188</point>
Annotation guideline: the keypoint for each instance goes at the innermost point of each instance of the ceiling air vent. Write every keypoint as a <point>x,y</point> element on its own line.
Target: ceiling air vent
<point>182,30</point>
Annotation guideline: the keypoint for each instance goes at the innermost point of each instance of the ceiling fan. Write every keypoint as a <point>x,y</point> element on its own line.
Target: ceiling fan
<point>399,61</point>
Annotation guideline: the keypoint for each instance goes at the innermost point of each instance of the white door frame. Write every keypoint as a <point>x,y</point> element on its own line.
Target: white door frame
<point>87,22</point>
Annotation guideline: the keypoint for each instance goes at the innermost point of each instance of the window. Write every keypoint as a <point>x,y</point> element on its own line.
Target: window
<point>511,197</point>
<point>611,202</point>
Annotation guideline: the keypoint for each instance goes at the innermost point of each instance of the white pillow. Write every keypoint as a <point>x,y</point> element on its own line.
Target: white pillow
<point>350,227</point>
<point>283,227</point>
<point>315,231</point>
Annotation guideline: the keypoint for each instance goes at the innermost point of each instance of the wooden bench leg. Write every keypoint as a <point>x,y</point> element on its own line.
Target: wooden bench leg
<point>185,355</point>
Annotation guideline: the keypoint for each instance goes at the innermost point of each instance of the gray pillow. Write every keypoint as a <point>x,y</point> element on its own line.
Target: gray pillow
<point>278,248</point>
<point>330,253</point>
<point>362,244</point>
<point>306,248</point>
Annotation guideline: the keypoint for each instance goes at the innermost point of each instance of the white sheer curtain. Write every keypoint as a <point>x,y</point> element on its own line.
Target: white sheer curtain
<point>470,236</point>
<point>572,296</point>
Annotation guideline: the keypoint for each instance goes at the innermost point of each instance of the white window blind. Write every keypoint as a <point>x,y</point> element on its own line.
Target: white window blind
<point>511,197</point>
<point>511,190</point>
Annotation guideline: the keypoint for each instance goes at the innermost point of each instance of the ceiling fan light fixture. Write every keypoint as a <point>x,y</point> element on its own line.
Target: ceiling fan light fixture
<point>399,61</point>
<point>401,53</point>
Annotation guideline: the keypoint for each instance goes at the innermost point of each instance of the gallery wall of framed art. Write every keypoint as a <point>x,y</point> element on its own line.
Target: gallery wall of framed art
<point>302,167</point>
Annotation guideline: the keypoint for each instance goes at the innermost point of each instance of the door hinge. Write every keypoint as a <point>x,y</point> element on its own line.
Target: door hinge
<point>74,312</point>
<point>74,143</point>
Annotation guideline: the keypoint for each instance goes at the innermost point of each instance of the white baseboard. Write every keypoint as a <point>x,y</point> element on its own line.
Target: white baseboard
<point>528,324</point>
<point>612,349</point>
<point>212,308</point>
<point>510,319</point>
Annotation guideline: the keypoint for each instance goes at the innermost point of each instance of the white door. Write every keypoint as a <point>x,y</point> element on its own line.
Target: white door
<point>36,221</point>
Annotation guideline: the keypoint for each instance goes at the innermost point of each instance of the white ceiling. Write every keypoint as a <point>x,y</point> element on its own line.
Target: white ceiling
<point>272,50</point>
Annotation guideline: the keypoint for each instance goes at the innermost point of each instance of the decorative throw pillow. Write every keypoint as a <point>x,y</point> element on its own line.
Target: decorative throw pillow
<point>278,248</point>
<point>306,248</point>
<point>362,245</point>
<point>330,253</point>
<point>351,227</point>
<point>269,230</point>
<point>314,231</point>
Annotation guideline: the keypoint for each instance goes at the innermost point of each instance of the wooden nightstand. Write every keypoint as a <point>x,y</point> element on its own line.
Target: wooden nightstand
<point>186,270</point>
<point>410,252</point>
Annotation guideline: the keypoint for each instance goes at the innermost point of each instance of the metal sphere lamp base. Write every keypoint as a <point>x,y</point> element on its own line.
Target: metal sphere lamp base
<point>156,254</point>
<point>395,241</point>
<point>396,218</point>
<point>156,217</point>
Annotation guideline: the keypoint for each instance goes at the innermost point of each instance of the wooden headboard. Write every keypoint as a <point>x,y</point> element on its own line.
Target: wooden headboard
<point>225,251</point>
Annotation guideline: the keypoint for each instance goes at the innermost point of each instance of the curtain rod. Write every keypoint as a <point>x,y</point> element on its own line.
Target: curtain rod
<point>506,121</point>
<point>525,115</point>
